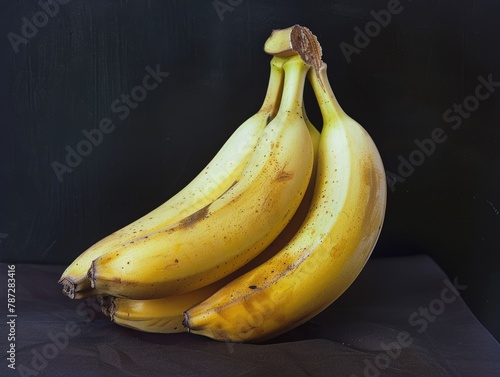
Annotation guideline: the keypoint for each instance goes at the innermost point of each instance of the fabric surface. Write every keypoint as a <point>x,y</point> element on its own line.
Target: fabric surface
<point>401,317</point>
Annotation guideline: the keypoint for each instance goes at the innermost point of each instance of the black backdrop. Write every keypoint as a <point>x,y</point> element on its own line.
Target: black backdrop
<point>425,84</point>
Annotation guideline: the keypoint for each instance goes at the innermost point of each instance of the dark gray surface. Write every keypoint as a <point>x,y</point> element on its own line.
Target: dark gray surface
<point>356,336</point>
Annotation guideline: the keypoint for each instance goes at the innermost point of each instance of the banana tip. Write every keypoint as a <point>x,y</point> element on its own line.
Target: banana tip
<point>185,322</point>
<point>108,306</point>
<point>68,287</point>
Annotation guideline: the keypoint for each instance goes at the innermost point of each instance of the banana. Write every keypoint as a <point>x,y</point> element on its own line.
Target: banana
<point>328,251</point>
<point>223,236</point>
<point>221,172</point>
<point>166,314</point>
<point>162,315</point>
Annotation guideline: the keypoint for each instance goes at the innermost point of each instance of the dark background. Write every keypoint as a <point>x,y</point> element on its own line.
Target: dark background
<point>399,86</point>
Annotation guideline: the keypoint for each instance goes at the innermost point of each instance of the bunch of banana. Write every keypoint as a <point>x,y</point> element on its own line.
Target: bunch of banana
<point>217,177</point>
<point>166,314</point>
<point>259,243</point>
<point>226,234</point>
<point>328,251</point>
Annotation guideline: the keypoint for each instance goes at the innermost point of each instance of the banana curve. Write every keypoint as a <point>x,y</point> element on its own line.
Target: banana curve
<point>218,176</point>
<point>233,229</point>
<point>326,254</point>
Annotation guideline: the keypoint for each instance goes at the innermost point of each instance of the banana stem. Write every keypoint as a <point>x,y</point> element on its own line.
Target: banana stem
<point>274,88</point>
<point>331,111</point>
<point>295,73</point>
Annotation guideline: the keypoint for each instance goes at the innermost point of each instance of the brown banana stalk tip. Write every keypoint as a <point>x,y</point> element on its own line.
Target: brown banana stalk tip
<point>296,40</point>
<point>68,288</point>
<point>108,306</point>
<point>307,45</point>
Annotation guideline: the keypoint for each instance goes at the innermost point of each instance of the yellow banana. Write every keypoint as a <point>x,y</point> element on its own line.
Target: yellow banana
<point>233,229</point>
<point>162,315</point>
<point>222,171</point>
<point>165,315</point>
<point>328,251</point>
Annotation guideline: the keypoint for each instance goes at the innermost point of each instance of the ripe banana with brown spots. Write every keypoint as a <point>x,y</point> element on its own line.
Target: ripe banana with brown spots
<point>221,172</point>
<point>165,315</point>
<point>328,251</point>
<point>227,233</point>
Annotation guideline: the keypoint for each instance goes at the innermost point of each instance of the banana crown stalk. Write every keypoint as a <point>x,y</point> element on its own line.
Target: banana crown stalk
<point>165,315</point>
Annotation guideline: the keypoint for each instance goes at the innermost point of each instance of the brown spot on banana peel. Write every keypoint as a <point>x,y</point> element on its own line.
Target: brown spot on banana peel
<point>175,263</point>
<point>117,280</point>
<point>194,218</point>
<point>284,176</point>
